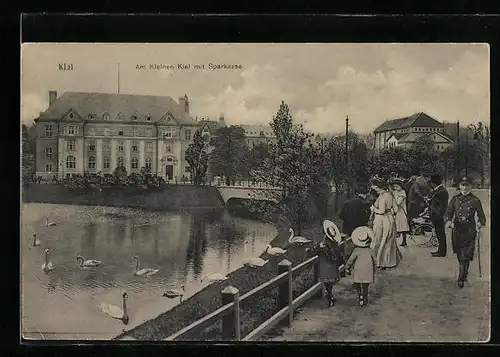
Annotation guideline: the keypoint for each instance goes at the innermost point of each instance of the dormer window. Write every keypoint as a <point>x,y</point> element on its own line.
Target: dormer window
<point>120,116</point>
<point>148,117</point>
<point>92,116</point>
<point>105,116</point>
<point>134,117</point>
<point>71,115</point>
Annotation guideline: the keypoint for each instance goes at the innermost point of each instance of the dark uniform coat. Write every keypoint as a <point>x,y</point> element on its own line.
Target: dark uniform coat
<point>461,211</point>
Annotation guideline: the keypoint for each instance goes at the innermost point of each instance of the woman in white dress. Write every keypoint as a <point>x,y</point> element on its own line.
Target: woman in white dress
<point>385,248</point>
<point>399,209</point>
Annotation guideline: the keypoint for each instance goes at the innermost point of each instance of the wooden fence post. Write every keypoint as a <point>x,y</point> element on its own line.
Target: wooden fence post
<point>285,295</point>
<point>231,322</point>
<point>316,275</point>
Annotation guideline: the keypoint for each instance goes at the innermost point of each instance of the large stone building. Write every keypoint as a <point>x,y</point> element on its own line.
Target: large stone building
<point>258,134</point>
<point>96,132</point>
<point>404,132</point>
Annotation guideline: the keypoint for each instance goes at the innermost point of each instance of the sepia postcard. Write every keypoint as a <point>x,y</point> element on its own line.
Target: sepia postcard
<point>330,192</point>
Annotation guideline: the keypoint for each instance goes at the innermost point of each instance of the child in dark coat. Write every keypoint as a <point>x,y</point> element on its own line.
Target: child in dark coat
<point>362,263</point>
<point>331,258</point>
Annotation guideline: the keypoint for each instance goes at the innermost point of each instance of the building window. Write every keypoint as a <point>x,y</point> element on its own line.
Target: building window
<point>119,162</point>
<point>48,130</point>
<point>168,148</point>
<point>91,162</point>
<point>48,153</point>
<point>105,162</point>
<point>71,115</point>
<point>188,134</point>
<point>135,146</point>
<point>135,163</point>
<point>68,176</point>
<point>91,131</point>
<point>48,168</point>
<point>148,163</point>
<point>106,131</point>
<point>149,132</point>
<point>91,145</point>
<point>70,162</point>
<point>149,146</point>
<point>168,133</point>
<point>92,116</point>
<point>71,130</point>
<point>120,132</point>
<point>148,117</point>
<point>120,146</point>
<point>134,117</point>
<point>105,116</point>
<point>135,132</point>
<point>70,145</point>
<point>120,116</point>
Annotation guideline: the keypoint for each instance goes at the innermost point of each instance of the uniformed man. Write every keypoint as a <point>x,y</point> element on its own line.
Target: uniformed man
<point>460,215</point>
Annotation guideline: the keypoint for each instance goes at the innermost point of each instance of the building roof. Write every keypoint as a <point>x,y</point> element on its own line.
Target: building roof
<point>417,119</point>
<point>255,130</point>
<point>413,137</point>
<point>126,105</point>
<point>211,124</point>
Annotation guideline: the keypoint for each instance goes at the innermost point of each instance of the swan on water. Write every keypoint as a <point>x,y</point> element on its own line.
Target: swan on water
<point>173,293</point>
<point>47,266</point>
<point>144,271</point>
<point>214,277</point>
<point>115,311</point>
<point>255,262</point>
<point>297,239</point>
<point>274,250</point>
<point>36,241</point>
<point>49,224</point>
<point>88,263</point>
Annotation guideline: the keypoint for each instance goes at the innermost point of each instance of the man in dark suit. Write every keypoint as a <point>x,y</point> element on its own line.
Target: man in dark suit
<point>416,196</point>
<point>437,208</point>
<point>355,212</point>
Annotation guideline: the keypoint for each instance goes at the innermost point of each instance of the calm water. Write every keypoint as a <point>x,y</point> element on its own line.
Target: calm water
<point>62,304</point>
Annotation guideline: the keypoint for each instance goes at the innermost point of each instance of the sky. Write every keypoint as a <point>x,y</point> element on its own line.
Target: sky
<point>321,83</point>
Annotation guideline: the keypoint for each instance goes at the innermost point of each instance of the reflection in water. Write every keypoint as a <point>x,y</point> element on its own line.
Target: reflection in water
<point>183,246</point>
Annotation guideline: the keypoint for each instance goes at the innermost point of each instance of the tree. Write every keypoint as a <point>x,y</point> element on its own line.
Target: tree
<point>120,174</point>
<point>28,156</point>
<point>291,166</point>
<point>197,159</point>
<point>257,155</point>
<point>229,157</point>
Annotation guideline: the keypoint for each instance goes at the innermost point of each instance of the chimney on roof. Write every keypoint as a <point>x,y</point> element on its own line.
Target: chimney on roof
<point>184,103</point>
<point>221,120</point>
<point>52,97</point>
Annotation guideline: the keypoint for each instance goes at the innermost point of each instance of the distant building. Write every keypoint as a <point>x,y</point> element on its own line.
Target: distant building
<point>404,132</point>
<point>258,134</point>
<point>209,127</point>
<point>97,132</point>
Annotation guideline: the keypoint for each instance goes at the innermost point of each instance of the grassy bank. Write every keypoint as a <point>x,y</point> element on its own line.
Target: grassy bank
<point>254,310</point>
<point>169,197</point>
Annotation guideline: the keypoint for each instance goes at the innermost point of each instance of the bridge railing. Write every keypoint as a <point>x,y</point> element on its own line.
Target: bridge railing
<point>229,312</point>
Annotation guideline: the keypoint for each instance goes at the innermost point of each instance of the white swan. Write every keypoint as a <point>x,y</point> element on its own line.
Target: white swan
<point>49,224</point>
<point>88,263</point>
<point>214,277</point>
<point>47,266</point>
<point>297,239</point>
<point>173,293</point>
<point>145,271</point>
<point>255,262</point>
<point>274,250</point>
<point>115,311</point>
<point>36,241</point>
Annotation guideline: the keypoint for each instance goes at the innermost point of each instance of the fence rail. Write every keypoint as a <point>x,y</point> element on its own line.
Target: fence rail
<point>229,312</point>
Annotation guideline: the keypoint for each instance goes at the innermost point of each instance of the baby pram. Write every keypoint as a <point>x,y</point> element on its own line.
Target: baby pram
<point>422,230</point>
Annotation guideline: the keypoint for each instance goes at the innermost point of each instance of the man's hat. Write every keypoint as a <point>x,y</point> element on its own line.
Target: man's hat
<point>362,236</point>
<point>466,180</point>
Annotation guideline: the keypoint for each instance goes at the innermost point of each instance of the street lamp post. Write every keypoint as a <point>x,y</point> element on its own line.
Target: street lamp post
<point>347,154</point>
<point>476,136</point>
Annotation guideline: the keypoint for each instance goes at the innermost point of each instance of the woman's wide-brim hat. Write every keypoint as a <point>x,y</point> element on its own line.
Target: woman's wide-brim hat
<point>362,236</point>
<point>397,181</point>
<point>377,181</point>
<point>332,231</point>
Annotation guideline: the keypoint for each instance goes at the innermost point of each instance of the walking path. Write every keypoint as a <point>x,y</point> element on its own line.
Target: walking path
<point>418,301</point>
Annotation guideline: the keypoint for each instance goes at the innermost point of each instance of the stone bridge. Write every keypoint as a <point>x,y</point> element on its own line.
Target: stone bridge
<point>263,193</point>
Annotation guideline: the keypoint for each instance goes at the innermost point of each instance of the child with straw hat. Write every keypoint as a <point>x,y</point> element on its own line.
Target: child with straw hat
<point>361,262</point>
